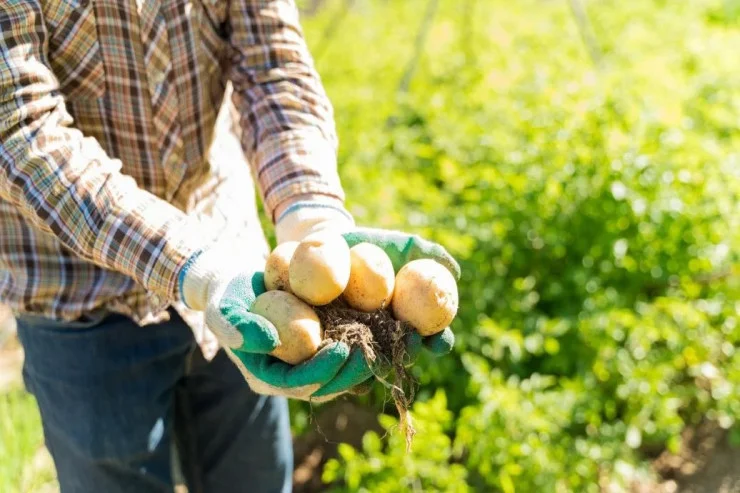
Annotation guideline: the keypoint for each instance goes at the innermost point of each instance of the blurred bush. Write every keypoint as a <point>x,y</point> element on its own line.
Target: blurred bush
<point>590,190</point>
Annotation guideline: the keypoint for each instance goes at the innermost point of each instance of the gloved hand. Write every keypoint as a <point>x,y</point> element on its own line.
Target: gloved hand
<point>302,218</point>
<point>402,248</point>
<point>220,283</point>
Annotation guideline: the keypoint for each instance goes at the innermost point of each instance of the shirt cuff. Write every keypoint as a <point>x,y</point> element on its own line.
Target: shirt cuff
<point>157,242</point>
<point>296,164</point>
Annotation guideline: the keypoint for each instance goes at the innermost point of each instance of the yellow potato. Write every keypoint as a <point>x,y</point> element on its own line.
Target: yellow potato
<point>297,324</point>
<point>425,296</point>
<point>276,267</point>
<point>371,278</point>
<point>319,269</point>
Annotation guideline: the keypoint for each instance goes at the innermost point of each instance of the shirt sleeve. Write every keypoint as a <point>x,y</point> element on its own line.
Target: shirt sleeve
<point>287,120</point>
<point>64,183</point>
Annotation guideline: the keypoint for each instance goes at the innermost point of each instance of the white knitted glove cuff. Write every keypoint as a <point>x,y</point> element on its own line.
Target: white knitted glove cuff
<point>303,218</point>
<point>196,279</point>
<point>200,275</point>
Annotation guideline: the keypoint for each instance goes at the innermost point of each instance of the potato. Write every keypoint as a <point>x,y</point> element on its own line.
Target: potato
<point>297,324</point>
<point>425,296</point>
<point>276,267</point>
<point>319,269</point>
<point>371,278</point>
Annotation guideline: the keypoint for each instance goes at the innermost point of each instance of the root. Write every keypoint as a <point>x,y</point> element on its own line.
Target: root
<point>382,340</point>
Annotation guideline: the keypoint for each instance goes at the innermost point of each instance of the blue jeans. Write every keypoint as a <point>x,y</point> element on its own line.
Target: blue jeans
<point>121,404</point>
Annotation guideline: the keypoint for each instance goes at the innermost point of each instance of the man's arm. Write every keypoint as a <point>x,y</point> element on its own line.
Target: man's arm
<point>287,120</point>
<point>63,182</point>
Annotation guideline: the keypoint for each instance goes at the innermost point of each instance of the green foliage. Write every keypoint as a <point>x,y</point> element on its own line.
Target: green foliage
<point>386,467</point>
<point>20,442</point>
<point>646,373</point>
<point>593,206</point>
<point>523,433</point>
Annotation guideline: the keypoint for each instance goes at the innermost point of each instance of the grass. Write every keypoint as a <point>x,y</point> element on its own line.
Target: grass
<point>25,466</point>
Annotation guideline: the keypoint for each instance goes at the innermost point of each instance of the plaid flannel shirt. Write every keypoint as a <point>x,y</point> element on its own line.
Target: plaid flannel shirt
<point>107,114</point>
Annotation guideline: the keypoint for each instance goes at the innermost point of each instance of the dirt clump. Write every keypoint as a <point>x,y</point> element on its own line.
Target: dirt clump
<point>382,340</point>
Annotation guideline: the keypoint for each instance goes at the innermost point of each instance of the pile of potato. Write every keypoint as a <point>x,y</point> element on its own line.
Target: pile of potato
<point>322,267</point>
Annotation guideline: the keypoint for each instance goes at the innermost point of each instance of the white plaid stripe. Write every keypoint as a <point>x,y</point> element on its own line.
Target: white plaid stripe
<point>82,223</point>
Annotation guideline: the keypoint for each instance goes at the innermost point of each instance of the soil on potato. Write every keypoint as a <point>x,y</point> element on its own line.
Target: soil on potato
<point>382,340</point>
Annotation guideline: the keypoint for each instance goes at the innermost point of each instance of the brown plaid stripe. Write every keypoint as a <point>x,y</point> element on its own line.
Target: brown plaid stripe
<point>107,113</point>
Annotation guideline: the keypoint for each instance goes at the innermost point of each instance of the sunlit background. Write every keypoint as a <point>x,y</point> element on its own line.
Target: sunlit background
<point>582,161</point>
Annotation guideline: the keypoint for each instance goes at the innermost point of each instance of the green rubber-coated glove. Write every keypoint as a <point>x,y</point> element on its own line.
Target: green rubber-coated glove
<point>213,282</point>
<point>306,217</point>
<point>402,248</point>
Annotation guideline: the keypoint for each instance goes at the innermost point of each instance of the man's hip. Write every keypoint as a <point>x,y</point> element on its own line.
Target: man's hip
<point>117,400</point>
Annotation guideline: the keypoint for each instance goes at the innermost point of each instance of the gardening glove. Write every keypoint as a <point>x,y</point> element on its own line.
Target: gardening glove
<point>302,218</point>
<point>220,283</point>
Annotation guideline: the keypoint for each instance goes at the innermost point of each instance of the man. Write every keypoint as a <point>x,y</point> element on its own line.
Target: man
<point>112,212</point>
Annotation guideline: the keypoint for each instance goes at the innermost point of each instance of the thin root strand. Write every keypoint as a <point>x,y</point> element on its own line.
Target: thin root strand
<point>382,340</point>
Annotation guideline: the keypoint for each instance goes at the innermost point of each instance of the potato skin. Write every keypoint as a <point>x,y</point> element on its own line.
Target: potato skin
<point>297,324</point>
<point>371,278</point>
<point>319,269</point>
<point>425,296</point>
<point>277,265</point>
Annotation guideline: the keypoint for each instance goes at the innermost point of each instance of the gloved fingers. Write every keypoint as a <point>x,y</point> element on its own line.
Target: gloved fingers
<point>238,329</point>
<point>414,344</point>
<point>402,248</point>
<point>233,323</point>
<point>259,334</point>
<point>243,290</point>
<point>318,370</point>
<point>355,371</point>
<point>427,249</point>
<point>363,388</point>
<point>357,236</point>
<point>393,243</point>
<point>440,343</point>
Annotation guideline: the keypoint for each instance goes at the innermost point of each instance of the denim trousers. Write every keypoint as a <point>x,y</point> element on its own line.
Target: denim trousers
<point>124,408</point>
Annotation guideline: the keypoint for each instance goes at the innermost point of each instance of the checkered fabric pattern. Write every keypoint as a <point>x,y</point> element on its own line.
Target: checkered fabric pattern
<point>107,115</point>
